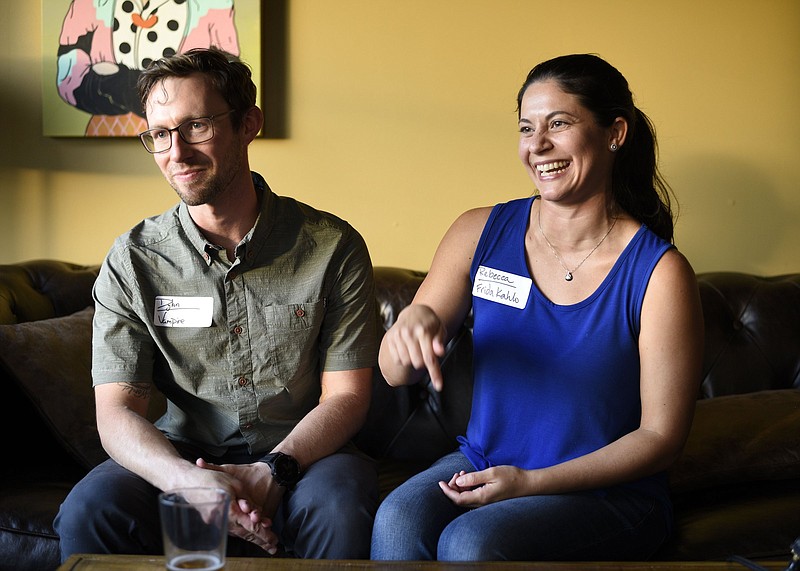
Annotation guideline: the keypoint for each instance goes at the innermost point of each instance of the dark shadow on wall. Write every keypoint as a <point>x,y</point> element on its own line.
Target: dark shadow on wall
<point>274,67</point>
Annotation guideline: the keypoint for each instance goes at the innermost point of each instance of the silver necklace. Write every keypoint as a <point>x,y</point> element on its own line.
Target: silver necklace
<point>569,273</point>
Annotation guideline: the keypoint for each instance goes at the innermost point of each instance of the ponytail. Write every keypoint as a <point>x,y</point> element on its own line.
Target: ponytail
<point>637,184</point>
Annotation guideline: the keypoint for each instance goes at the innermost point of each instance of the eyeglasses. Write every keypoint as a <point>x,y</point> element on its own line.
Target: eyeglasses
<point>192,132</point>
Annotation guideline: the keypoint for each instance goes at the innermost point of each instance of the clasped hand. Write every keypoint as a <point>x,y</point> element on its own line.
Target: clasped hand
<point>475,489</point>
<point>256,502</point>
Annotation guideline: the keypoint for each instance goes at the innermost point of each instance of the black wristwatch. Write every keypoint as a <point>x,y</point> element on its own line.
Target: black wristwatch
<point>285,469</point>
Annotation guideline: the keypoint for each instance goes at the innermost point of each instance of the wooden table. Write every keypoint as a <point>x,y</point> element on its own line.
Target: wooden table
<point>146,563</point>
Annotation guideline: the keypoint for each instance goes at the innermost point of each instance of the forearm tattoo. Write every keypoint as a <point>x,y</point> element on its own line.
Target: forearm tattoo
<point>138,390</point>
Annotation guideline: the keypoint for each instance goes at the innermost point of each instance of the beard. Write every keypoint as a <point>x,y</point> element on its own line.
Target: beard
<point>215,182</point>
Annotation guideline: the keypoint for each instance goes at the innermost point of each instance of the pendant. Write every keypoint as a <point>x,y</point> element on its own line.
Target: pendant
<point>568,277</point>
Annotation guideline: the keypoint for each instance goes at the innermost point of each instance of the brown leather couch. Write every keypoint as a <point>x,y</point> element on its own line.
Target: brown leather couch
<point>736,488</point>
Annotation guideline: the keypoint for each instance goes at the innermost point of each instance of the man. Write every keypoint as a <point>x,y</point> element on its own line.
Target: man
<point>254,315</point>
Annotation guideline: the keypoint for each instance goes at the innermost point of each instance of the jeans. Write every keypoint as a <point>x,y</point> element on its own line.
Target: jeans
<point>418,522</point>
<point>328,514</point>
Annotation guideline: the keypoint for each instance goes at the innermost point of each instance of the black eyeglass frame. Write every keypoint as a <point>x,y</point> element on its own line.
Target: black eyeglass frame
<point>177,128</point>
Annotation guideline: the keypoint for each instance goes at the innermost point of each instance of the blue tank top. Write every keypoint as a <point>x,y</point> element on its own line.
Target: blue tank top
<point>553,382</point>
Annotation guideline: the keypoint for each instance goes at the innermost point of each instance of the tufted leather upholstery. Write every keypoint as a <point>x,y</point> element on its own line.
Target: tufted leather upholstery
<point>750,392</point>
<point>415,424</point>
<point>42,289</point>
<point>752,333</point>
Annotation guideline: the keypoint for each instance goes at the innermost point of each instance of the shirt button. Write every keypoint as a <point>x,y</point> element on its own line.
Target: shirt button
<point>242,381</point>
<point>299,312</point>
<point>238,330</point>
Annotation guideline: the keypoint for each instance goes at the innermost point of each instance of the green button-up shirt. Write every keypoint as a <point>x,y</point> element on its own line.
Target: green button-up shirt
<point>237,348</point>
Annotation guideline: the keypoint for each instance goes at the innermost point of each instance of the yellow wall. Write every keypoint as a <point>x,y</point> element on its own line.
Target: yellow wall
<point>401,115</point>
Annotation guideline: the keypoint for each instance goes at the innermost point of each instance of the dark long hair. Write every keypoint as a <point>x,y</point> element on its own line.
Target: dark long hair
<point>231,77</point>
<point>636,184</point>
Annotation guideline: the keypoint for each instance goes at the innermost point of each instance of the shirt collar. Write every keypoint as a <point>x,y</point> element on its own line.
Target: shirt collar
<point>250,244</point>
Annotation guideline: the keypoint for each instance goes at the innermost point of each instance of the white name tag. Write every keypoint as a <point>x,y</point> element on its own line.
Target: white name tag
<point>502,287</point>
<point>182,311</point>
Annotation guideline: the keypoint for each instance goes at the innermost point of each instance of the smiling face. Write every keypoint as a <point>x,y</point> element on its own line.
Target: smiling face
<point>199,173</point>
<point>565,151</point>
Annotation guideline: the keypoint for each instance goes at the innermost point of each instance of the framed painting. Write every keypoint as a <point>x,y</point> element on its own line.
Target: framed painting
<point>94,50</point>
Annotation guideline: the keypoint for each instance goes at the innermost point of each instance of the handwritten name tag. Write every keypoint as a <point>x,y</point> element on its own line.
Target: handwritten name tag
<point>502,287</point>
<point>182,311</point>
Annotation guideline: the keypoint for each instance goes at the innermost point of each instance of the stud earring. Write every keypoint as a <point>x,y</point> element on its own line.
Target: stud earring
<point>613,147</point>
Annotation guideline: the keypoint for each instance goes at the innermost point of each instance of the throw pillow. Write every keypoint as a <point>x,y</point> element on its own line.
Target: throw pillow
<point>741,438</point>
<point>51,360</point>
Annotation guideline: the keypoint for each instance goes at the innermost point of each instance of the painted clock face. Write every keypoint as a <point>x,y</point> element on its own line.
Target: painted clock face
<point>148,30</point>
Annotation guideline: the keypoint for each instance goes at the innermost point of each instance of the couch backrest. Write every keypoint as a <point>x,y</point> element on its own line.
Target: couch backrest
<point>41,289</point>
<point>415,423</point>
<point>752,344</point>
<point>752,333</point>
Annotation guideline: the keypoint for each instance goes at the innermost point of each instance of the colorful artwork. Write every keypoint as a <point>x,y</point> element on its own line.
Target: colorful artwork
<point>104,44</point>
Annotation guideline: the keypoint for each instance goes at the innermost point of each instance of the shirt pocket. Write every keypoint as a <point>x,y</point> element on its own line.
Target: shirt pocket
<point>293,331</point>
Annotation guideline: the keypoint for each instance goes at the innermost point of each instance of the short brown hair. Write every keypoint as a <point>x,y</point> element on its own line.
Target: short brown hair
<point>230,76</point>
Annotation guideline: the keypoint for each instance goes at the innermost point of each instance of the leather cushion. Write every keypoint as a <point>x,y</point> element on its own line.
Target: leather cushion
<point>51,361</point>
<point>741,438</point>
<point>753,520</point>
<point>27,510</point>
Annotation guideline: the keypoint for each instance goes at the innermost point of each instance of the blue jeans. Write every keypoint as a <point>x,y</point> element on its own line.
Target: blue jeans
<point>418,522</point>
<point>328,514</point>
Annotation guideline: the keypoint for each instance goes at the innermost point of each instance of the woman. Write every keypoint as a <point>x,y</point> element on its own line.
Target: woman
<point>588,345</point>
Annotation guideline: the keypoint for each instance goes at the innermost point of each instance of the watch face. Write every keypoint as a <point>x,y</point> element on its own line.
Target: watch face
<point>287,470</point>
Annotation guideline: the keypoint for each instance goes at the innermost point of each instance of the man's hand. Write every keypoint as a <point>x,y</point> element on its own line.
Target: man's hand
<point>252,527</point>
<point>256,504</point>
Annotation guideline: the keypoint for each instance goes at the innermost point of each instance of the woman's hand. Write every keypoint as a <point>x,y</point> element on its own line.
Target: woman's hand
<point>475,489</point>
<point>416,341</point>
